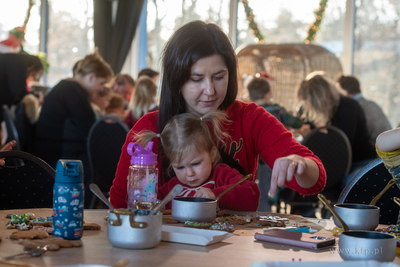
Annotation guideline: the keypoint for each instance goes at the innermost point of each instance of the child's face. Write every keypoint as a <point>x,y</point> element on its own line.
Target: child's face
<point>195,168</point>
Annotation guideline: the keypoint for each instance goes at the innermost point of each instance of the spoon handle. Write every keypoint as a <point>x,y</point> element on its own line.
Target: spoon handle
<point>173,193</point>
<point>96,190</point>
<point>390,183</point>
<point>326,203</point>
<point>233,186</point>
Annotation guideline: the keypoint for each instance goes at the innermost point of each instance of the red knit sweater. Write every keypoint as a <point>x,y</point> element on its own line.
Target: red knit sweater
<point>254,132</point>
<point>244,196</point>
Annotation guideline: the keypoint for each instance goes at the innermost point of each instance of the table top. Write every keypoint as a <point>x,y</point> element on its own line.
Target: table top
<point>239,250</point>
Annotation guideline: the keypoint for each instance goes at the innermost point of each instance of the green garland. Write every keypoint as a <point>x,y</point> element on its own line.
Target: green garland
<point>314,27</point>
<point>252,24</point>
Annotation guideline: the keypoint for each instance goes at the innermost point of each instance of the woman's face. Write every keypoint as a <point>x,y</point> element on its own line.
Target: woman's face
<point>94,84</point>
<point>206,89</point>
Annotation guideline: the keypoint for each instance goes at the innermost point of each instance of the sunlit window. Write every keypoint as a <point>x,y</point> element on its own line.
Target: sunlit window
<point>287,21</point>
<point>164,17</point>
<point>13,14</point>
<point>70,36</point>
<point>376,56</point>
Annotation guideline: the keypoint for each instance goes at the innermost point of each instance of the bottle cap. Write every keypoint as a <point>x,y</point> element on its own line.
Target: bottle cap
<point>69,171</point>
<point>142,156</point>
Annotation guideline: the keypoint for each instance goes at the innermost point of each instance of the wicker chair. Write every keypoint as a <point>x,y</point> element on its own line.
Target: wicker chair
<point>288,64</point>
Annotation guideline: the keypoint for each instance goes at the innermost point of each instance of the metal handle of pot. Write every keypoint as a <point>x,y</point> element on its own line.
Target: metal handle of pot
<point>390,183</point>
<point>396,200</point>
<point>230,188</point>
<point>326,203</point>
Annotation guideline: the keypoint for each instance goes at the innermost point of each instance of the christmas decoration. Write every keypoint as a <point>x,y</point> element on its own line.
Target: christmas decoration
<point>252,24</point>
<point>314,27</point>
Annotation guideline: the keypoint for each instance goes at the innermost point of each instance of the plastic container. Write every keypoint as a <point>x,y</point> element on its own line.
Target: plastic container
<point>68,200</point>
<point>142,177</point>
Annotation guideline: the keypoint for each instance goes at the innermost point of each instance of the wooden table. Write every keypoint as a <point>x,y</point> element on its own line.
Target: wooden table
<point>239,250</point>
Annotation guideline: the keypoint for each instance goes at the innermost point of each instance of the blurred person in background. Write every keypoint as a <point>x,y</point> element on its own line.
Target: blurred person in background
<point>321,104</point>
<point>116,107</point>
<point>124,85</point>
<point>67,115</point>
<point>143,101</point>
<point>149,72</point>
<point>100,101</point>
<point>377,121</point>
<point>16,72</point>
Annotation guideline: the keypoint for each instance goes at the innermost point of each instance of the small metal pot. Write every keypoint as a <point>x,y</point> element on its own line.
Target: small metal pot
<point>367,245</point>
<point>357,216</point>
<point>134,229</point>
<point>194,208</point>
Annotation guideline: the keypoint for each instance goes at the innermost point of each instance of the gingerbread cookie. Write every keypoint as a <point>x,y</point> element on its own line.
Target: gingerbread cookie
<point>273,221</point>
<point>200,225</point>
<point>54,243</point>
<point>32,234</point>
<point>91,226</point>
<point>223,226</point>
<point>48,230</point>
<point>43,221</point>
<point>235,219</point>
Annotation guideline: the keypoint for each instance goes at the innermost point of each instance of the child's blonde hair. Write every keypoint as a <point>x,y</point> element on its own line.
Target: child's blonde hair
<point>144,96</point>
<point>186,132</point>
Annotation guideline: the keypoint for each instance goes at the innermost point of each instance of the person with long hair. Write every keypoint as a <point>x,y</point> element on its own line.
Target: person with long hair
<point>143,100</point>
<point>199,75</point>
<point>321,104</point>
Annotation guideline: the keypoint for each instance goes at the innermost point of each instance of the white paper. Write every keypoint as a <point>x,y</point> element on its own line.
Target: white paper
<point>193,236</point>
<point>369,263</point>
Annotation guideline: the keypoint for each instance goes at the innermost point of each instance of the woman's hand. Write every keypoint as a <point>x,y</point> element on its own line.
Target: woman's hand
<point>7,147</point>
<point>305,170</point>
<point>205,192</point>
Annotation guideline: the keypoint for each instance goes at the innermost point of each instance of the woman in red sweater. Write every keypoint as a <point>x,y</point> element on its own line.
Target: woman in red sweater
<point>200,76</point>
<point>190,144</point>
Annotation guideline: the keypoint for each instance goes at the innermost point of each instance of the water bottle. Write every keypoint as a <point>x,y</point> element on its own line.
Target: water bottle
<point>142,177</point>
<point>68,196</point>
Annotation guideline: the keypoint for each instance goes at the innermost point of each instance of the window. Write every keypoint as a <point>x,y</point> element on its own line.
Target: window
<point>164,17</point>
<point>13,14</point>
<point>70,36</point>
<point>376,55</point>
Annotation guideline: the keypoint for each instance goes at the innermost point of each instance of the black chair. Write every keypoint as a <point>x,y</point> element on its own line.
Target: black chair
<point>105,140</point>
<point>369,182</point>
<point>333,148</point>
<point>12,132</point>
<point>26,186</point>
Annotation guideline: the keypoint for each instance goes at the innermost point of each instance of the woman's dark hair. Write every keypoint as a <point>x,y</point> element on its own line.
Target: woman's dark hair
<point>350,84</point>
<point>191,42</point>
<point>34,66</point>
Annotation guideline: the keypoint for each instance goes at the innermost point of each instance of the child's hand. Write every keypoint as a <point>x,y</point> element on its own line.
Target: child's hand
<point>205,192</point>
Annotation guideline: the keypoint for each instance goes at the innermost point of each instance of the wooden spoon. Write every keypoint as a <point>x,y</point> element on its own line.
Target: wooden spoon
<point>326,203</point>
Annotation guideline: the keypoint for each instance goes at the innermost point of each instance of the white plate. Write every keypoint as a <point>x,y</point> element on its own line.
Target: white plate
<point>192,236</point>
<point>325,264</point>
<point>84,265</point>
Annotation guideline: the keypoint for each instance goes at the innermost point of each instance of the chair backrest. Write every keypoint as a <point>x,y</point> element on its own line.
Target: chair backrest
<point>105,141</point>
<point>12,133</point>
<point>369,182</point>
<point>26,186</point>
<point>333,148</point>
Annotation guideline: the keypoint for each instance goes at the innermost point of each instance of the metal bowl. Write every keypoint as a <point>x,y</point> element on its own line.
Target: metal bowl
<point>134,229</point>
<point>194,208</point>
<point>357,216</point>
<point>367,245</point>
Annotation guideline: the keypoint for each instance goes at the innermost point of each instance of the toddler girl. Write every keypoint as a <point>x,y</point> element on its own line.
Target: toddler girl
<point>190,144</point>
